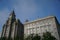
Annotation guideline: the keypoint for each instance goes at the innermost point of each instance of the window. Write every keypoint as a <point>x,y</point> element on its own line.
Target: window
<point>40,22</point>
<point>28,31</point>
<point>37,29</point>
<point>34,30</point>
<point>33,24</point>
<point>31,30</point>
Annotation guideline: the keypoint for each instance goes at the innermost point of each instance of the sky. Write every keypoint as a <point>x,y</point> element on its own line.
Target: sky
<point>29,9</point>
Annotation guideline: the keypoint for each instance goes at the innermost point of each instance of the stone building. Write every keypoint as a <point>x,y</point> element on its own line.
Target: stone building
<point>42,25</point>
<point>13,28</point>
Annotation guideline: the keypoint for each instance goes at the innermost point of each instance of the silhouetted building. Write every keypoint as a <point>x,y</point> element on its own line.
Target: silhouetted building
<point>13,28</point>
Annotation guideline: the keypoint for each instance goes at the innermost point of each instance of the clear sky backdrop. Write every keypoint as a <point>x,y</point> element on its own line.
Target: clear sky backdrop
<point>29,9</point>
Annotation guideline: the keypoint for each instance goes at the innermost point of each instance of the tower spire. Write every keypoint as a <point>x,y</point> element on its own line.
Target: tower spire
<point>12,15</point>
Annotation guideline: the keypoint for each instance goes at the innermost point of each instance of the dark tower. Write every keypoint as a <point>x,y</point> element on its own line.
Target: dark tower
<point>13,28</point>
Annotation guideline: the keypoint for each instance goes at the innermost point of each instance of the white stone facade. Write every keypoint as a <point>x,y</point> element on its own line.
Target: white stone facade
<point>40,26</point>
<point>13,28</point>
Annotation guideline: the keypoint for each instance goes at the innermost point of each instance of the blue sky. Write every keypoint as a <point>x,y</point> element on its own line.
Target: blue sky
<point>29,9</point>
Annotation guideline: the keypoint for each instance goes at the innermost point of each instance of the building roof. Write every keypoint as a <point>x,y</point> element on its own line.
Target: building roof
<point>39,19</point>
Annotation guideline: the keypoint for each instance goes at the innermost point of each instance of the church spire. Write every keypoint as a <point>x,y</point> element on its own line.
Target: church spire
<point>12,15</point>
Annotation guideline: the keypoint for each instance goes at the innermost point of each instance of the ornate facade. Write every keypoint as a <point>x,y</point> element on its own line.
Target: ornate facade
<point>42,25</point>
<point>13,28</point>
